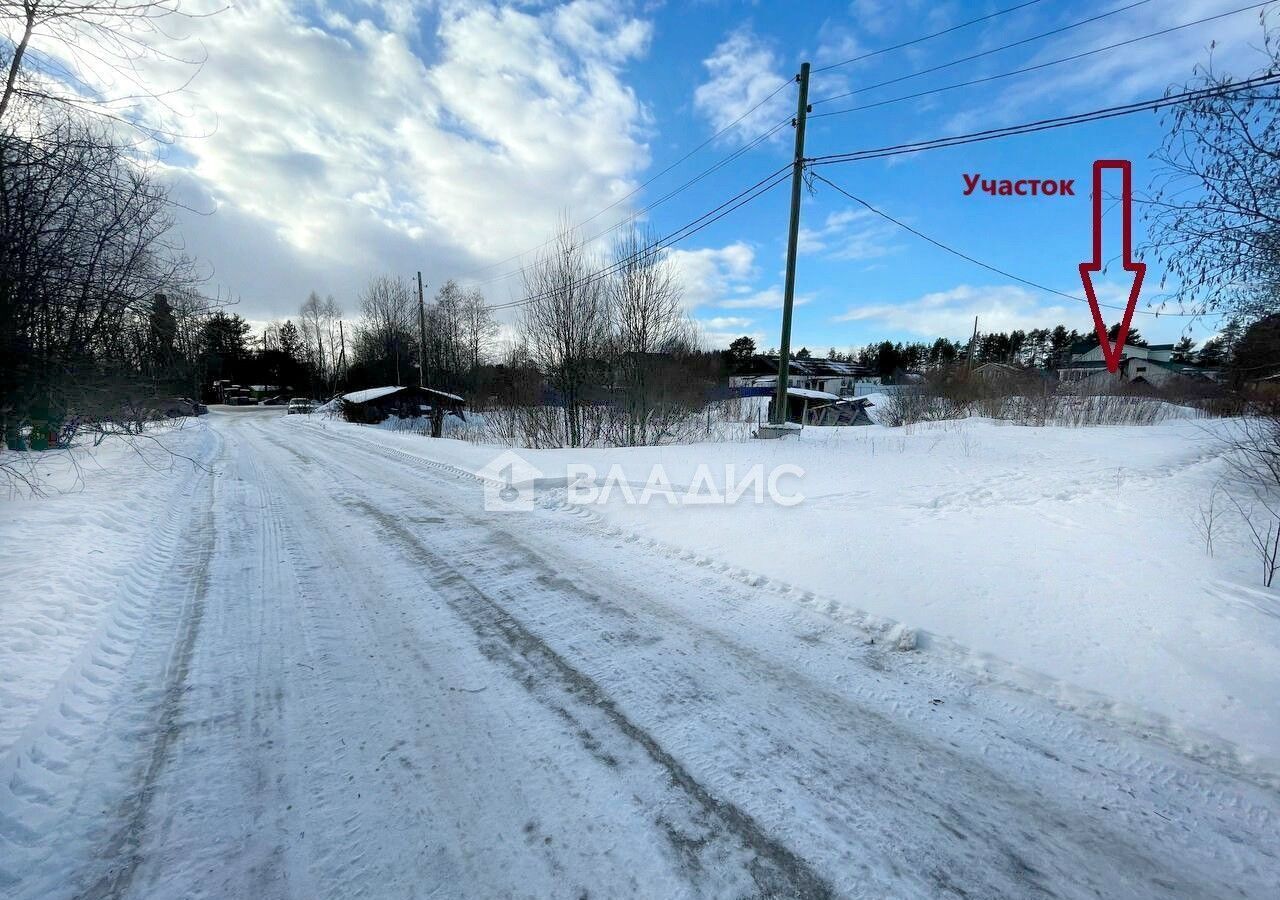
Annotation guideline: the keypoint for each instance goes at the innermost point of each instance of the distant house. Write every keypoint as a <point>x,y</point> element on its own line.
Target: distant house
<point>1152,365</point>
<point>1159,373</point>
<point>995,371</point>
<point>1093,353</point>
<point>831,376</point>
<point>376,404</point>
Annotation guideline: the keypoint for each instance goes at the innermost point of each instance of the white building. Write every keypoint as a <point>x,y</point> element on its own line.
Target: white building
<point>831,376</point>
<point>1151,365</point>
<point>1154,353</point>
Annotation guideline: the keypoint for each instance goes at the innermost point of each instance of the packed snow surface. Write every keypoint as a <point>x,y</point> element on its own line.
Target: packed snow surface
<point>302,659</point>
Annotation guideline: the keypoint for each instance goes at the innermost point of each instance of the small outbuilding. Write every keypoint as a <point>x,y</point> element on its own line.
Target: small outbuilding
<point>374,405</point>
<point>810,407</point>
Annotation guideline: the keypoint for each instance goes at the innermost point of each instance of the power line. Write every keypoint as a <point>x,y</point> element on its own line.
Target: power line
<point>1026,69</point>
<point>927,37</point>
<point>742,198</point>
<point>977,262</point>
<point>724,130</point>
<point>655,177</point>
<point>993,50</point>
<point>778,176</point>
<point>755,141</point>
<point>666,241</point>
<point>759,139</point>
<point>1044,124</point>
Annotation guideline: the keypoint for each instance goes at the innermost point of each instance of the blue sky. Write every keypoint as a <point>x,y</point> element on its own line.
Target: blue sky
<point>339,141</point>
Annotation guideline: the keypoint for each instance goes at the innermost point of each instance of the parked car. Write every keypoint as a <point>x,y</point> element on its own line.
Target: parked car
<point>300,405</point>
<point>273,401</point>
<point>177,407</point>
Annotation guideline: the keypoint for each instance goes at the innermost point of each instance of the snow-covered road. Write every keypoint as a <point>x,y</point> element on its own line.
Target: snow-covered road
<point>336,675</point>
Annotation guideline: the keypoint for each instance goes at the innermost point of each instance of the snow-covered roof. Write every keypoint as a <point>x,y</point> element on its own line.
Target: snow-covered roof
<point>446,394</point>
<point>811,394</point>
<point>369,394</point>
<point>806,365</point>
<point>374,393</point>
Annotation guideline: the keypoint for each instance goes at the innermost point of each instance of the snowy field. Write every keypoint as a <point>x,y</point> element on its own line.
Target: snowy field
<point>973,660</point>
<point>1066,559</point>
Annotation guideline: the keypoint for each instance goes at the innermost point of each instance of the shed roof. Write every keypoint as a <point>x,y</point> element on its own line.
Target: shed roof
<point>814,367</point>
<point>369,394</point>
<point>811,394</point>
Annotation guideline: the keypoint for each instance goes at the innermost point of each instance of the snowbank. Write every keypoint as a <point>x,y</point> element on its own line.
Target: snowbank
<point>1066,559</point>
<point>68,586</point>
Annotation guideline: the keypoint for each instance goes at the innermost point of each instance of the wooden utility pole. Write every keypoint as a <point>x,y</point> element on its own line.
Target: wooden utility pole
<point>973,342</point>
<point>793,237</point>
<point>422,337</point>
<point>342,349</point>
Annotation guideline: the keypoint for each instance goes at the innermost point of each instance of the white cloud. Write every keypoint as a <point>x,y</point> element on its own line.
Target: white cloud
<point>344,147</point>
<point>951,312</point>
<point>592,26</point>
<point>1138,70</point>
<point>711,273</point>
<point>742,72</point>
<point>769,298</point>
<point>849,235</point>
<point>876,16</point>
<point>838,44</point>
<point>727,323</point>
<point>719,340</point>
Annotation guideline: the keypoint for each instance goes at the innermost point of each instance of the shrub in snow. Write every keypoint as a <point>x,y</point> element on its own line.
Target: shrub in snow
<point>1024,397</point>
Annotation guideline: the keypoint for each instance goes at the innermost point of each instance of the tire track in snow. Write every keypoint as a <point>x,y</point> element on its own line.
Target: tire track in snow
<point>776,870</point>
<point>1124,760</point>
<point>218,823</point>
<point>1075,700</point>
<point>46,807</point>
<point>541,633</point>
<point>122,848</point>
<point>446,783</point>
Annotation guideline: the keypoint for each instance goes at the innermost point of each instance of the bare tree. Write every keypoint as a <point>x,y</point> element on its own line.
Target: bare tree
<point>99,48</point>
<point>460,336</point>
<point>649,328</point>
<point>1206,517</point>
<point>478,330</point>
<point>384,336</point>
<point>311,315</point>
<point>85,247</point>
<point>1215,208</point>
<point>445,335</point>
<point>99,310</point>
<point>565,322</point>
<point>1253,484</point>
<point>329,319</point>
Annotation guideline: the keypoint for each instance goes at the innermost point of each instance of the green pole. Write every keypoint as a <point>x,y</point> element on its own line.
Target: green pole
<point>793,239</point>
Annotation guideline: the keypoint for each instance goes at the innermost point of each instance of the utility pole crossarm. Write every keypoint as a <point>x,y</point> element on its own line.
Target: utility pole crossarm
<point>793,238</point>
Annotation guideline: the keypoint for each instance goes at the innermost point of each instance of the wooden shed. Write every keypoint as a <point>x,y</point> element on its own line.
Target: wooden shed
<point>810,407</point>
<point>374,405</point>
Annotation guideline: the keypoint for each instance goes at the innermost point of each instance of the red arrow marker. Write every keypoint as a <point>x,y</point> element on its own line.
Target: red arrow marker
<point>1137,269</point>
